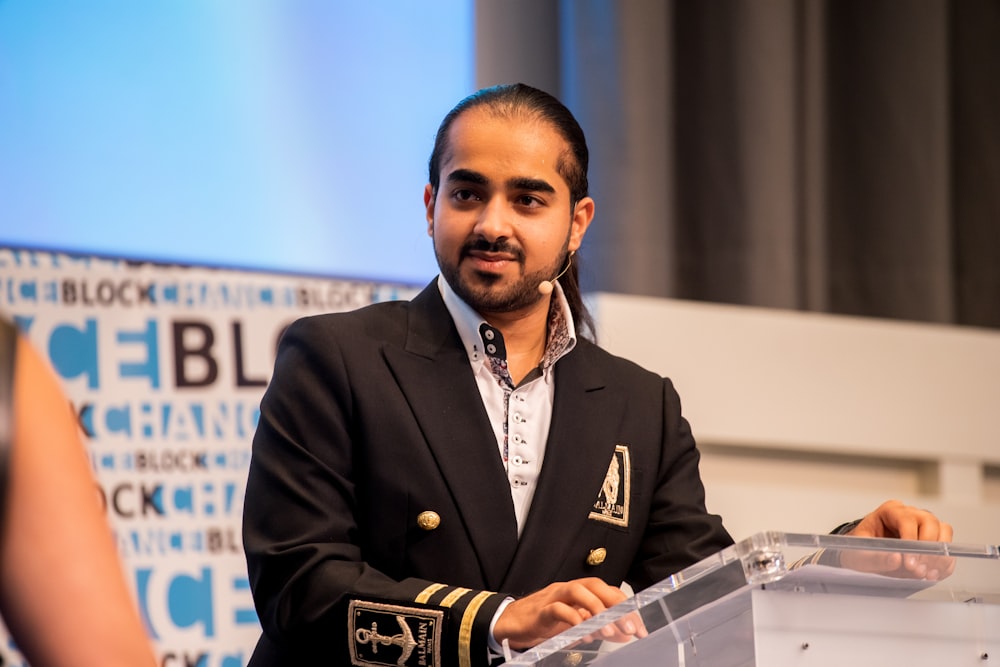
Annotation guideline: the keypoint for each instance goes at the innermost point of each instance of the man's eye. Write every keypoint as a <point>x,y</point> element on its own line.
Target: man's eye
<point>528,200</point>
<point>465,195</point>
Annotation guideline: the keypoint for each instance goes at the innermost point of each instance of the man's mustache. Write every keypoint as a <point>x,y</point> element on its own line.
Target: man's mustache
<point>498,246</point>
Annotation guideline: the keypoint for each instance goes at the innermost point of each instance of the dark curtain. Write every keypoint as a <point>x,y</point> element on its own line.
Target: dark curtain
<point>828,155</point>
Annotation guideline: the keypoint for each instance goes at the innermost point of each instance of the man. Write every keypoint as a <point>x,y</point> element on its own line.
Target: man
<point>398,510</point>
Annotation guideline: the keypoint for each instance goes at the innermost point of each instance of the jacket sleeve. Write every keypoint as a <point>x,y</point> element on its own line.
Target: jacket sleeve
<point>318,600</point>
<point>679,531</point>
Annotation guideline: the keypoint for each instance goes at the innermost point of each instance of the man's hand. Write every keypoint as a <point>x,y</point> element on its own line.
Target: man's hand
<point>559,606</point>
<point>894,519</point>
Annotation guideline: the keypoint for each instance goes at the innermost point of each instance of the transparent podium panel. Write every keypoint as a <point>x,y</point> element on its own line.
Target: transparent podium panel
<point>779,599</point>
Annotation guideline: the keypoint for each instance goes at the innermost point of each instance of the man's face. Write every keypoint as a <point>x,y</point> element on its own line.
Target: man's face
<point>501,218</point>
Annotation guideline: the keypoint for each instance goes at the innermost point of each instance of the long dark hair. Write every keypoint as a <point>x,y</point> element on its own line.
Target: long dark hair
<point>510,100</point>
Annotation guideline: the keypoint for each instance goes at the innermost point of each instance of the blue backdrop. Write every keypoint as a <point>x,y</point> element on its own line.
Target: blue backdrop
<point>288,136</point>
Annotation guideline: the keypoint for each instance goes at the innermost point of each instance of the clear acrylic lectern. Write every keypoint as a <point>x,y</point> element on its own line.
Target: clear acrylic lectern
<point>778,599</point>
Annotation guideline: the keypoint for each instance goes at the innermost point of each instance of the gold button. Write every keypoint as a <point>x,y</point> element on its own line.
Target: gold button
<point>428,520</point>
<point>597,556</point>
<point>573,659</point>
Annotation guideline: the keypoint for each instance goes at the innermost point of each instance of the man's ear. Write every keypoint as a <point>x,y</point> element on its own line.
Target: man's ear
<point>583,214</point>
<point>429,207</point>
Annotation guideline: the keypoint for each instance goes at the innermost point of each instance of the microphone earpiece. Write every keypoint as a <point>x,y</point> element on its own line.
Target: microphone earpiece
<point>546,286</point>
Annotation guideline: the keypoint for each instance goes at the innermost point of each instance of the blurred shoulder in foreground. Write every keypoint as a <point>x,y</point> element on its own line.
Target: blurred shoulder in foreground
<point>63,594</point>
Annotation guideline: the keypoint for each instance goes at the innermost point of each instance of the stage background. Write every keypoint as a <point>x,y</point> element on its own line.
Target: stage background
<point>265,135</point>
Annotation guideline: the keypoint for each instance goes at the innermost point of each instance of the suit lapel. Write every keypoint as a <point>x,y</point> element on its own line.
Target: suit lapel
<point>577,454</point>
<point>433,372</point>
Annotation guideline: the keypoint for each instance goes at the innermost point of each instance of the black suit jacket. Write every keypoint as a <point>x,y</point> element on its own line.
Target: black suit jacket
<point>373,417</point>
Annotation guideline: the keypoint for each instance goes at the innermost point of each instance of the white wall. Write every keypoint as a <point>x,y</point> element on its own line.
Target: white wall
<point>807,420</point>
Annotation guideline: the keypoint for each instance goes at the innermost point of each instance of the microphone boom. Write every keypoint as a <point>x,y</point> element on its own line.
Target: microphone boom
<point>546,286</point>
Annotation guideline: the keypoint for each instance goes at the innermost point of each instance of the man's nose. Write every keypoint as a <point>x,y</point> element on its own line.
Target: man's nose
<point>494,221</point>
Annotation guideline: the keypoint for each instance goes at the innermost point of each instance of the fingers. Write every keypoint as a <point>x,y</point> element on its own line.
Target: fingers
<point>557,616</point>
<point>895,564</point>
<point>588,596</point>
<point>934,568</point>
<point>871,561</point>
<point>559,606</point>
<point>625,629</point>
<point>896,519</point>
<point>916,524</point>
<point>621,630</point>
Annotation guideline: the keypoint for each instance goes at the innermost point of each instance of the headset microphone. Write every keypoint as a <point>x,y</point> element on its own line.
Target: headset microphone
<point>546,286</point>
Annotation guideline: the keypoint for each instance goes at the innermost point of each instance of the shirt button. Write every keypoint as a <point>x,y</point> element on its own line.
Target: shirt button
<point>518,418</point>
<point>491,348</point>
<point>489,335</point>
<point>517,481</point>
<point>517,439</point>
<point>516,460</point>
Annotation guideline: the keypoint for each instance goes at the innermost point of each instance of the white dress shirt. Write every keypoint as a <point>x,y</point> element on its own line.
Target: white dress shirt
<point>520,415</point>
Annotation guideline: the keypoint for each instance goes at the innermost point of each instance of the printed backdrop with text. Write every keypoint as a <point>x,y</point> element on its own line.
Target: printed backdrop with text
<point>165,366</point>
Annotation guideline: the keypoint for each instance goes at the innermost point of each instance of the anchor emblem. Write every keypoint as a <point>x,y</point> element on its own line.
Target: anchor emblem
<point>404,640</point>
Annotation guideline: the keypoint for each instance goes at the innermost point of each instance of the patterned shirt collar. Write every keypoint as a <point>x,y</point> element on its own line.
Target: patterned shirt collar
<point>561,337</point>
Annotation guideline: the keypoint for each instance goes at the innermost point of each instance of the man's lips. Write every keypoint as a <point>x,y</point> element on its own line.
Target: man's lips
<point>490,261</point>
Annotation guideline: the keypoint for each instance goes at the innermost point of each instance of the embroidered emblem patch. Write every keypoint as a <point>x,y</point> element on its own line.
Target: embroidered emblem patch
<point>391,635</point>
<point>613,498</point>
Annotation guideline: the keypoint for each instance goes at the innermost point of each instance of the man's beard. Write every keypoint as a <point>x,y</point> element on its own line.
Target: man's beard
<point>484,295</point>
